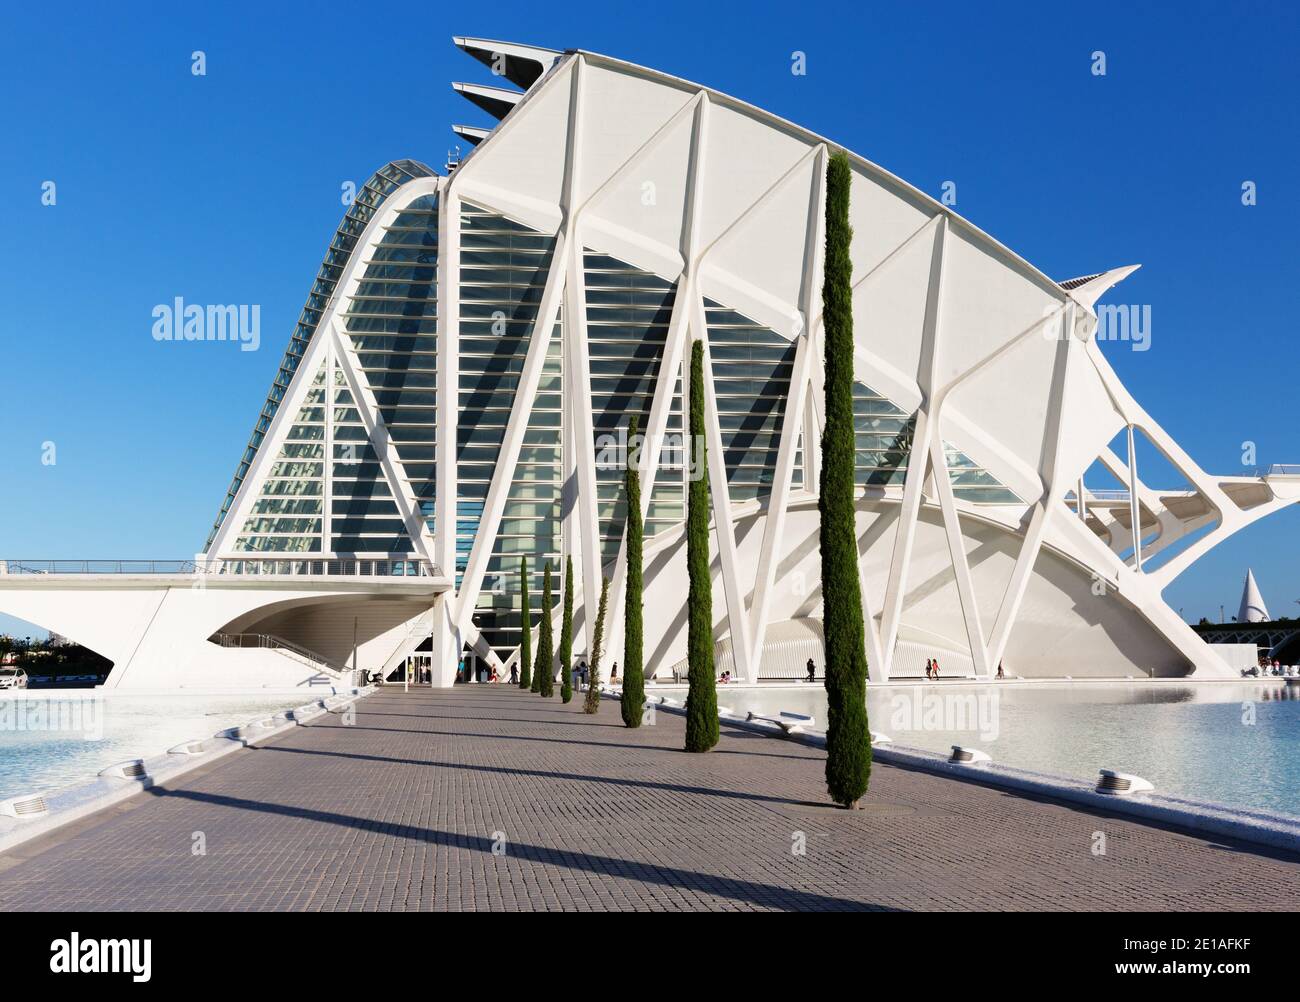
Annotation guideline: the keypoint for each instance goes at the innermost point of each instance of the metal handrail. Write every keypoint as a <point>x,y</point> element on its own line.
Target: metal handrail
<point>1111,495</point>
<point>1275,470</point>
<point>278,566</point>
<point>269,641</point>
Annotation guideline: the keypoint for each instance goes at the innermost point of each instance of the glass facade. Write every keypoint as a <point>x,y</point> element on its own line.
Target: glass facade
<point>287,515</point>
<point>381,185</point>
<point>392,324</point>
<point>628,311</point>
<point>752,368</point>
<point>326,492</point>
<point>503,269</point>
<point>884,438</point>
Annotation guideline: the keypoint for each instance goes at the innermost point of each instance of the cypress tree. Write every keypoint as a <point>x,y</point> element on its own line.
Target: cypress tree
<point>702,696</point>
<point>848,739</point>
<point>526,619</point>
<point>566,635</point>
<point>592,703</point>
<point>633,678</point>
<point>544,666</point>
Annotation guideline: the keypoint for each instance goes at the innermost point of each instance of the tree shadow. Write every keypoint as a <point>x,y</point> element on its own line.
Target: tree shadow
<point>640,784</point>
<point>691,881</point>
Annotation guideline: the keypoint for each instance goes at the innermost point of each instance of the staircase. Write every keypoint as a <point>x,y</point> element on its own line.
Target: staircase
<point>327,672</point>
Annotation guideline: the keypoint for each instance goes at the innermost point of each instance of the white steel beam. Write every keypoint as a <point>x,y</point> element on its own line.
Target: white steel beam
<point>723,523</point>
<point>447,385</point>
<point>362,396</point>
<point>793,416</point>
<point>1135,506</point>
<point>674,357</point>
<point>957,552</point>
<point>577,370</point>
<point>539,342</point>
<point>1048,504</point>
<point>315,353</point>
<point>918,461</point>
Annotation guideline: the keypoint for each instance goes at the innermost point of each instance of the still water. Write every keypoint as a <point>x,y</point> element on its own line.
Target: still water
<point>46,744</point>
<point>1227,743</point>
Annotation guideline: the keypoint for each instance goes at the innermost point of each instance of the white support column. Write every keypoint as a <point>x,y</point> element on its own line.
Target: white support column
<point>778,500</point>
<point>577,380</point>
<point>1048,504</point>
<point>679,336</point>
<point>327,504</point>
<point>812,430</point>
<point>909,510</point>
<point>673,361</point>
<point>368,411</point>
<point>957,552</point>
<point>723,524</point>
<point>793,415</point>
<point>577,370</point>
<point>447,383</point>
<point>1135,505</point>
<point>943,487</point>
<point>539,343</point>
<point>919,455</point>
<point>444,642</point>
<point>814,421</point>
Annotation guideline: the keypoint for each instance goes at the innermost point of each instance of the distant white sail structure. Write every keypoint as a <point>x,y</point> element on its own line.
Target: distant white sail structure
<point>1252,603</point>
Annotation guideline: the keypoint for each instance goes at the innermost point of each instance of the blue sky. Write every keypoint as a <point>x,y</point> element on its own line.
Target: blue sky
<point>226,188</point>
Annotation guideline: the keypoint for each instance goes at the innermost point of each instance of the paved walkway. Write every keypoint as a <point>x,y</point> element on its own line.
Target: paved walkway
<point>401,811</point>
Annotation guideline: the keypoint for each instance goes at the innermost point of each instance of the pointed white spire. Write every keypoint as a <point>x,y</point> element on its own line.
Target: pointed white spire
<point>1252,603</point>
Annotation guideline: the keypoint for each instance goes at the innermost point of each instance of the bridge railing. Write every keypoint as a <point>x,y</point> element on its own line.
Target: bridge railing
<point>1276,470</point>
<point>279,566</point>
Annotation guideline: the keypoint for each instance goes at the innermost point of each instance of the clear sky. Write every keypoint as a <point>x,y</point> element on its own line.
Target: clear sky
<point>225,188</point>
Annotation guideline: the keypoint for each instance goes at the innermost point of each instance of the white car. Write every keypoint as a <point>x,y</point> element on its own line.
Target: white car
<point>13,678</point>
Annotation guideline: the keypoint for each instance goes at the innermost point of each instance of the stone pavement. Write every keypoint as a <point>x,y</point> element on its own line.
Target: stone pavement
<point>404,809</point>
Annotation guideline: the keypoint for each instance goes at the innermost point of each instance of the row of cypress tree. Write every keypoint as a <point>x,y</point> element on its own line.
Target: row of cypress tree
<point>848,741</point>
<point>538,674</point>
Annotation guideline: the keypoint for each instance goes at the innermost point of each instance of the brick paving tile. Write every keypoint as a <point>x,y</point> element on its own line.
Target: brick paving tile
<point>491,798</point>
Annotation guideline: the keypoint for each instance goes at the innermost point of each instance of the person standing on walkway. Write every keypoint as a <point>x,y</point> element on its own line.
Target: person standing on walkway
<point>613,673</point>
<point>927,667</point>
<point>812,671</point>
<point>936,669</point>
<point>514,673</point>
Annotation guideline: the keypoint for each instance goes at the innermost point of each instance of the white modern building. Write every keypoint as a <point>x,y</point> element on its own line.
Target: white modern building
<point>476,344</point>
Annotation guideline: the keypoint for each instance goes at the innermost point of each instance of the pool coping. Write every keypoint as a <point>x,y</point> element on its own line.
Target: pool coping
<point>80,800</point>
<point>1256,827</point>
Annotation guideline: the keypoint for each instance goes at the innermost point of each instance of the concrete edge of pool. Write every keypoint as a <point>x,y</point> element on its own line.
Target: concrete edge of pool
<point>1256,827</point>
<point>68,804</point>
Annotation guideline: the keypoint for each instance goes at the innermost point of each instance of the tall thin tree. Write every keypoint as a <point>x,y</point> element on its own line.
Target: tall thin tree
<point>633,642</point>
<point>566,635</point>
<point>544,665</point>
<point>526,626</point>
<point>592,703</point>
<point>702,695</point>
<point>848,738</point>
